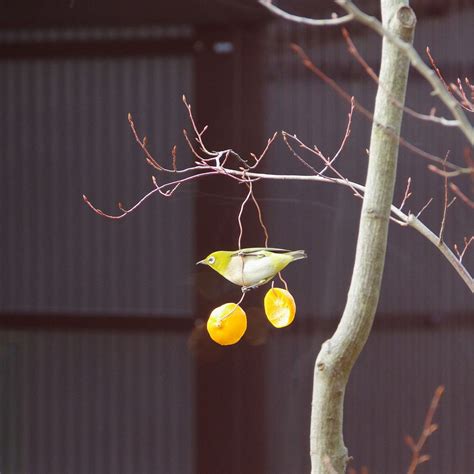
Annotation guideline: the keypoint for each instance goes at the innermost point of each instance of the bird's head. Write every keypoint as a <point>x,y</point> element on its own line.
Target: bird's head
<point>218,261</point>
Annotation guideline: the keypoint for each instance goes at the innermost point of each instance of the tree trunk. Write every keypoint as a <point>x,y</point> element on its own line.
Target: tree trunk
<point>338,354</point>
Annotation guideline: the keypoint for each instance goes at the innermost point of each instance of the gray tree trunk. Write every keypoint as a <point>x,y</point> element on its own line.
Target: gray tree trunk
<point>338,355</point>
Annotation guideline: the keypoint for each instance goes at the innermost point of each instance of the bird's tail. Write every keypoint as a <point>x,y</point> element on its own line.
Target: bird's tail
<point>298,254</point>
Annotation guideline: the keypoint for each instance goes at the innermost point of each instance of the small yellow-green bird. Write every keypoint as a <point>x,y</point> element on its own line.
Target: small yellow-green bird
<point>252,267</point>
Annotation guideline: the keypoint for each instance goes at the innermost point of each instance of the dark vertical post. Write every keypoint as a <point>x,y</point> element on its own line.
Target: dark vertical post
<point>229,388</point>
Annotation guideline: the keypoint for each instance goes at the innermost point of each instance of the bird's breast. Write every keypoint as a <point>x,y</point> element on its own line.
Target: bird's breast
<point>249,270</point>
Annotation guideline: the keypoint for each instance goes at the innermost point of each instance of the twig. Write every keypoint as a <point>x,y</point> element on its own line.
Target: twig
<point>297,155</point>
<point>466,246</point>
<point>371,73</point>
<point>438,87</point>
<point>412,221</point>
<point>428,429</point>
<point>264,152</point>
<point>203,168</point>
<point>360,108</point>
<point>445,206</point>
<point>450,174</point>
<point>424,207</point>
<point>464,102</point>
<point>406,195</point>
<point>344,139</point>
<point>455,189</point>
<point>150,160</point>
<point>301,19</point>
<point>436,68</point>
<point>401,218</point>
<point>328,162</point>
<point>157,189</point>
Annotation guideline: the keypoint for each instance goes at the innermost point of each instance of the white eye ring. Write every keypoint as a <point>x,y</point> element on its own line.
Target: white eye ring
<point>211,260</point>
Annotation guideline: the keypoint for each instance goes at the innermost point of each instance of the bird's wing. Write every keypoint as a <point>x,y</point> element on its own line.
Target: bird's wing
<point>257,251</point>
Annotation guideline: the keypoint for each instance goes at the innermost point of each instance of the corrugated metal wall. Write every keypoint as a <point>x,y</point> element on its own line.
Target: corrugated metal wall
<point>77,402</point>
<point>387,397</point>
<point>65,133</point>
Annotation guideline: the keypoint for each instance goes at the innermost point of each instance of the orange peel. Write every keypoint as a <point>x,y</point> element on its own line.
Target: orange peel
<point>227,324</point>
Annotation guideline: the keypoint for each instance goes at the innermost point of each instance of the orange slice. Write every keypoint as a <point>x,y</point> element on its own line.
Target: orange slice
<point>280,307</point>
<point>227,324</point>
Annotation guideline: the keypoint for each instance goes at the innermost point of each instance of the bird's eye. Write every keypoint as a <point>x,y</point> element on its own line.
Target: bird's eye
<point>211,260</point>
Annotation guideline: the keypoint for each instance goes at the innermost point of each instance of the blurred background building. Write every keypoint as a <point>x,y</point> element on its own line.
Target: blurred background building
<point>105,366</point>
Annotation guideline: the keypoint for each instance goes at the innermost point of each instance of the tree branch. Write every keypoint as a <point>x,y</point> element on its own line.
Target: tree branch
<point>428,429</point>
<point>242,176</point>
<point>303,20</point>
<point>371,73</point>
<point>338,355</point>
<point>366,113</point>
<point>438,87</point>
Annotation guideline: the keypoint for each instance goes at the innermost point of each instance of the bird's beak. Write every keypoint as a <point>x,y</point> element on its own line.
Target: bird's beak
<point>201,261</point>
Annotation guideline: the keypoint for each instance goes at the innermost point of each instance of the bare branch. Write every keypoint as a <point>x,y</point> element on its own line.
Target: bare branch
<point>360,108</point>
<point>295,154</point>
<point>458,89</point>
<point>344,139</point>
<point>150,160</point>
<point>264,152</point>
<point>455,189</point>
<point>214,163</point>
<point>407,194</point>
<point>424,207</point>
<point>450,174</point>
<point>412,221</point>
<point>335,20</point>
<point>466,103</point>
<point>371,73</point>
<point>467,243</point>
<point>435,67</point>
<point>438,87</point>
<point>428,429</point>
<point>173,185</point>
<point>198,133</point>
<point>446,204</point>
<point>400,217</point>
<point>328,162</point>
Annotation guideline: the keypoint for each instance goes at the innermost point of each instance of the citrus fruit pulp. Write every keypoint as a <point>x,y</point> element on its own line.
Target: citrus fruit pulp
<point>280,307</point>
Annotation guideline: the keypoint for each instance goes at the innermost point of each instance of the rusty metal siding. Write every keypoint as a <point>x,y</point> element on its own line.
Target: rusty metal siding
<point>65,132</point>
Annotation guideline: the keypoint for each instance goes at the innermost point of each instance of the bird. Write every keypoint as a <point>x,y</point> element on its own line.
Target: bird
<point>252,267</point>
